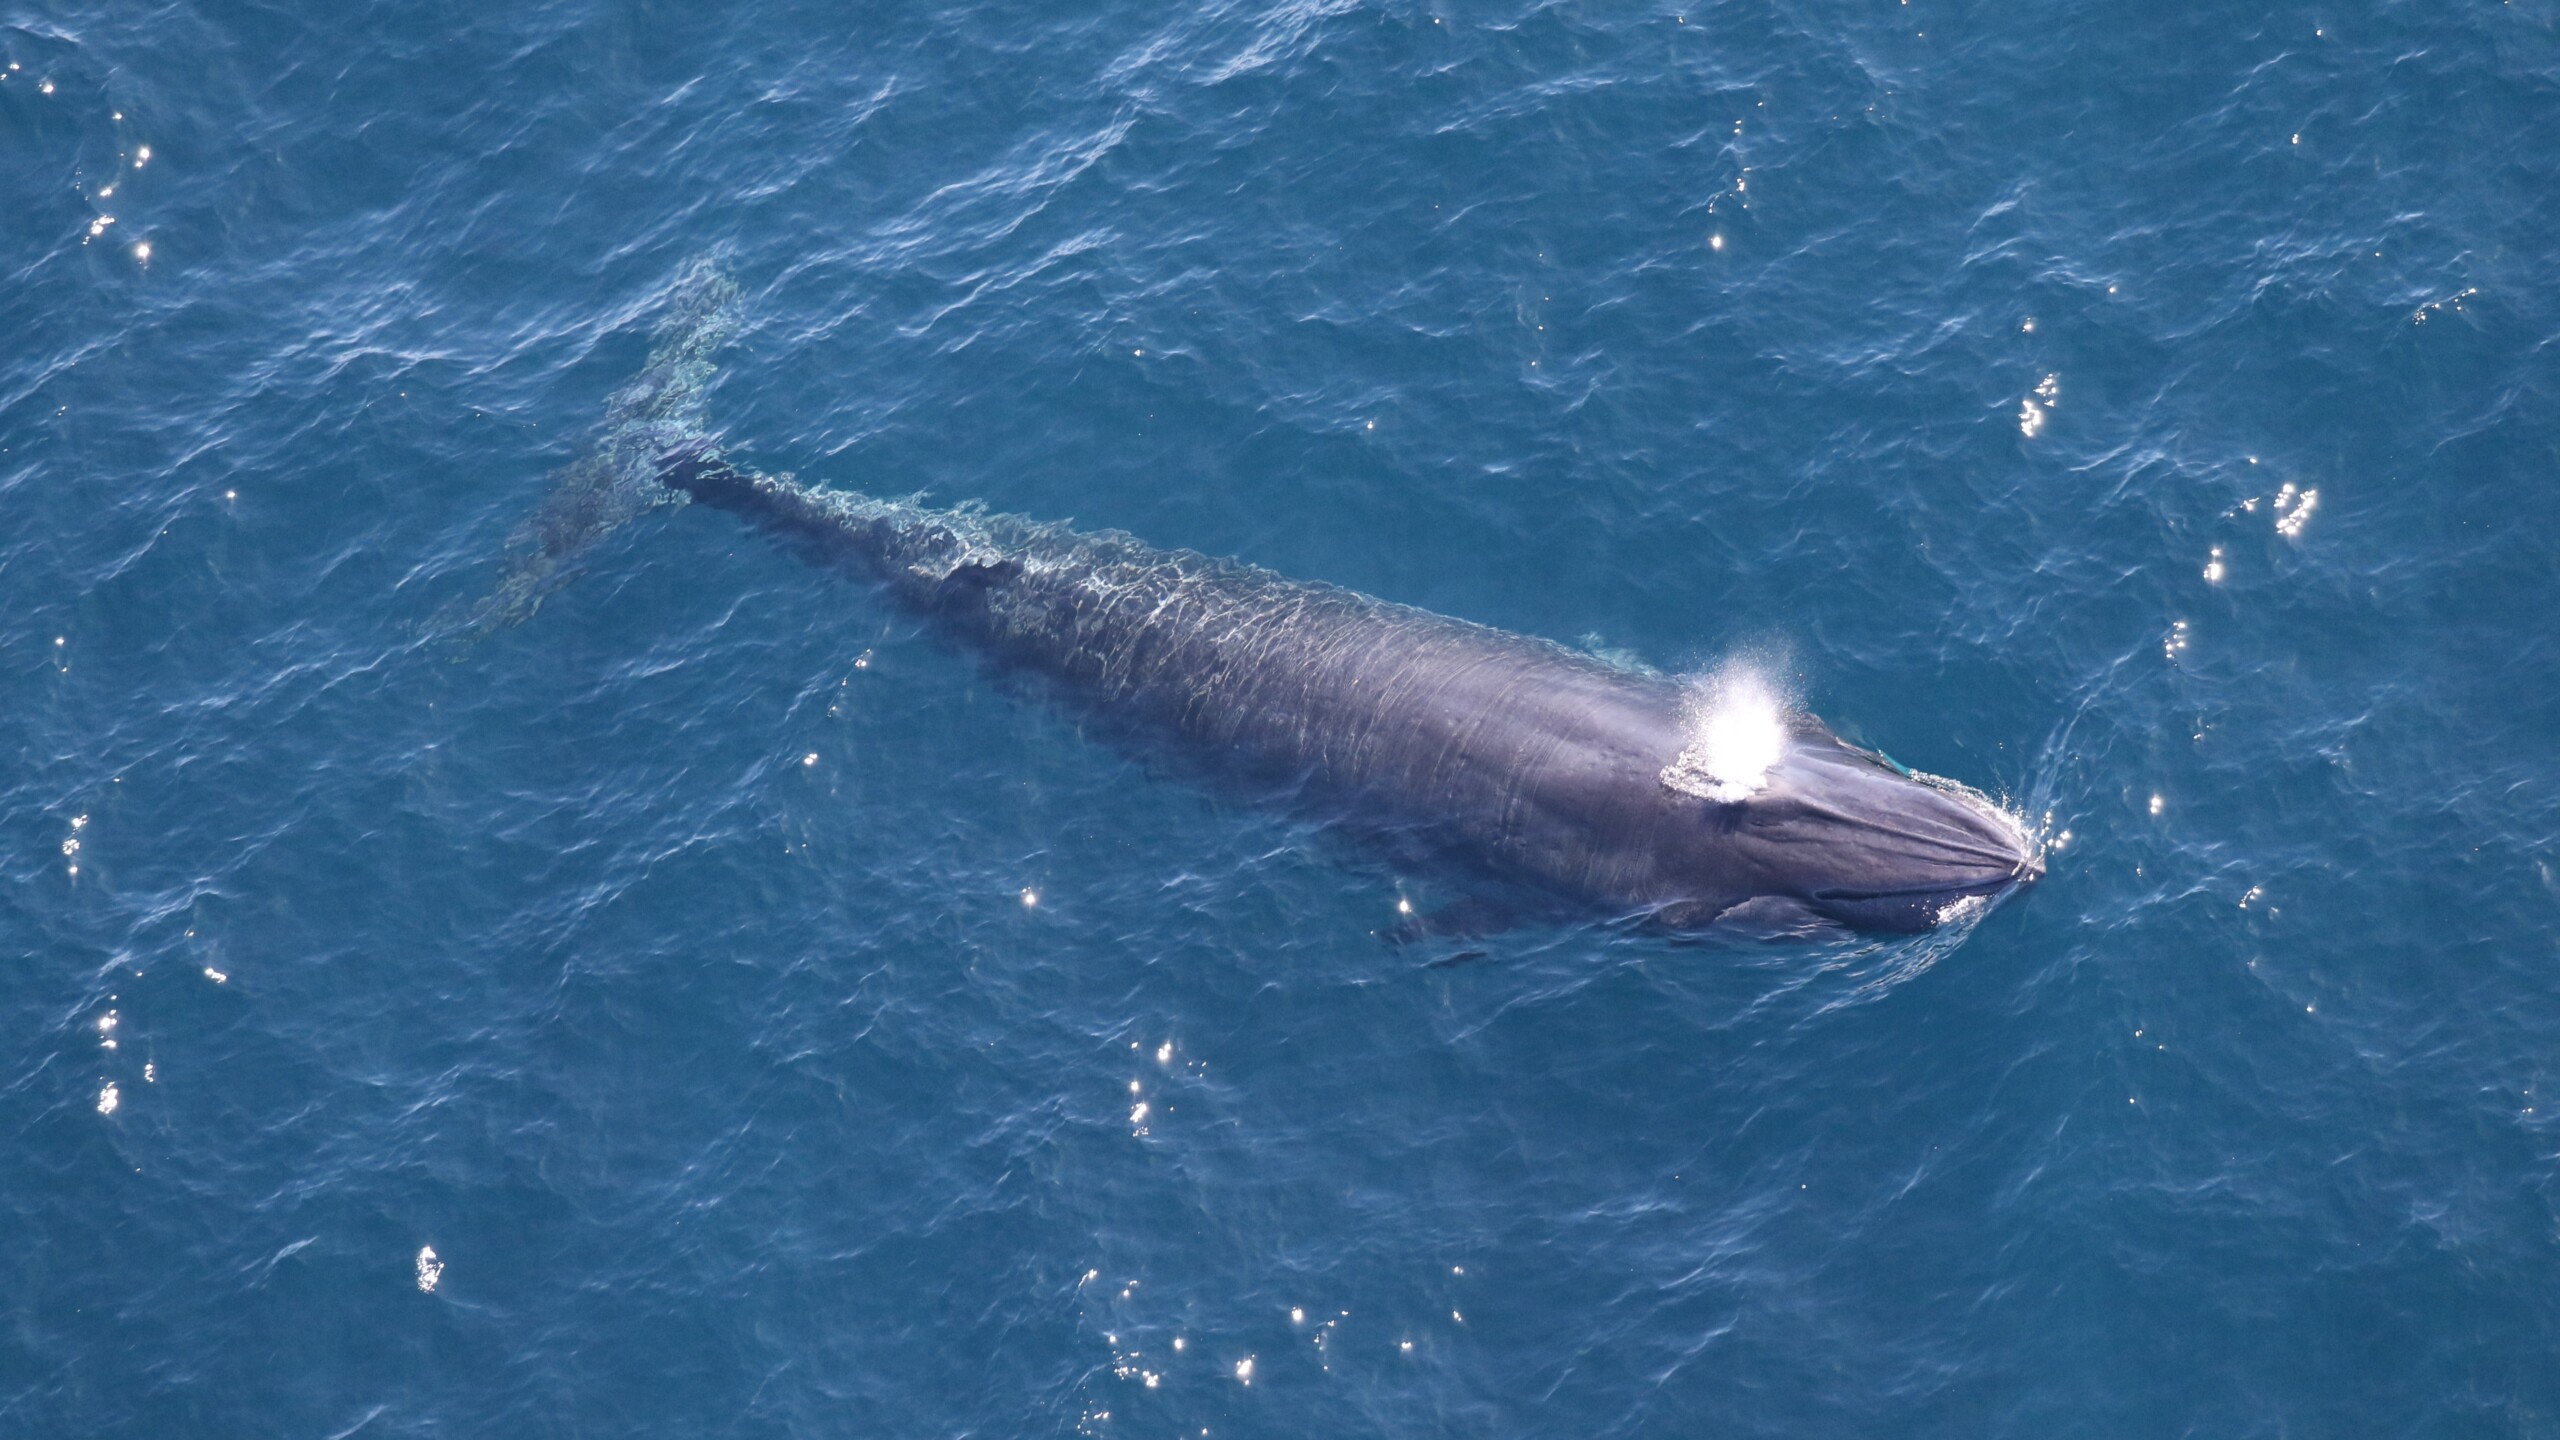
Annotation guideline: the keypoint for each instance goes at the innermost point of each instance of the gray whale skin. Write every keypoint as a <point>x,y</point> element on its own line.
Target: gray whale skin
<point>1544,764</point>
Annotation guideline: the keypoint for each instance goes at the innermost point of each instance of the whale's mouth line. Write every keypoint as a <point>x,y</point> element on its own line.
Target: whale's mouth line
<point>1923,892</point>
<point>1932,907</point>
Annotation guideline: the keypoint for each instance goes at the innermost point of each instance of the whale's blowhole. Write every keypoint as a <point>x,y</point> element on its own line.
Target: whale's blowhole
<point>1734,729</point>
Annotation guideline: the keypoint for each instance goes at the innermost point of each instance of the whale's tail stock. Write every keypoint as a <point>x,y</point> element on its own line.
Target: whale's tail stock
<point>653,428</point>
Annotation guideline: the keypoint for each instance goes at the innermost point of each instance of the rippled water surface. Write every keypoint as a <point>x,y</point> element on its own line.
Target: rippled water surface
<point>715,1007</point>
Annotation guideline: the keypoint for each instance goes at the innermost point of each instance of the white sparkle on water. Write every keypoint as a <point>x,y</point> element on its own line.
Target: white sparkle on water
<point>2293,510</point>
<point>430,1269</point>
<point>2033,410</point>
<point>108,1099</point>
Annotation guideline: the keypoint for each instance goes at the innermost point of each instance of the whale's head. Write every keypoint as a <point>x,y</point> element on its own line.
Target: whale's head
<point>1874,846</point>
<point>1855,838</point>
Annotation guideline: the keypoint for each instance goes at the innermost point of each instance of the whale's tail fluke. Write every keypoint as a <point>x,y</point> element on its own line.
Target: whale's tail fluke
<point>652,423</point>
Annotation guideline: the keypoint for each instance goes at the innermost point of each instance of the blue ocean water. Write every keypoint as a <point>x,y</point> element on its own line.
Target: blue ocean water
<point>632,1023</point>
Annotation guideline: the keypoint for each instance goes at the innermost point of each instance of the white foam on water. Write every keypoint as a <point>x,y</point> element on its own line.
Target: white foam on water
<point>1966,908</point>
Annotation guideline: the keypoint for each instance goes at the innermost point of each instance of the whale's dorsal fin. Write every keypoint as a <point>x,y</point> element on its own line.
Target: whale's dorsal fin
<point>977,574</point>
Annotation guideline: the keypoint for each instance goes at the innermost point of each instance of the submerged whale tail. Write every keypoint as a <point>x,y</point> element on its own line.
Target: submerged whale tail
<point>650,425</point>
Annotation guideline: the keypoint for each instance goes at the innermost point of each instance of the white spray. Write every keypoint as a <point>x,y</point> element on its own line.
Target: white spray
<point>1735,732</point>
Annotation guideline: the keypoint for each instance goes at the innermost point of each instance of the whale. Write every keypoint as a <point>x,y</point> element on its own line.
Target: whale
<point>1601,787</point>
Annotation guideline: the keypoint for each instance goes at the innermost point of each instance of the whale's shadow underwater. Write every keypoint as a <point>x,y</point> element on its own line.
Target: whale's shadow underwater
<point>1578,786</point>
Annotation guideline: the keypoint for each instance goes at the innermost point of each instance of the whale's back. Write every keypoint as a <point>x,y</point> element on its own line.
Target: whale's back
<point>1541,759</point>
